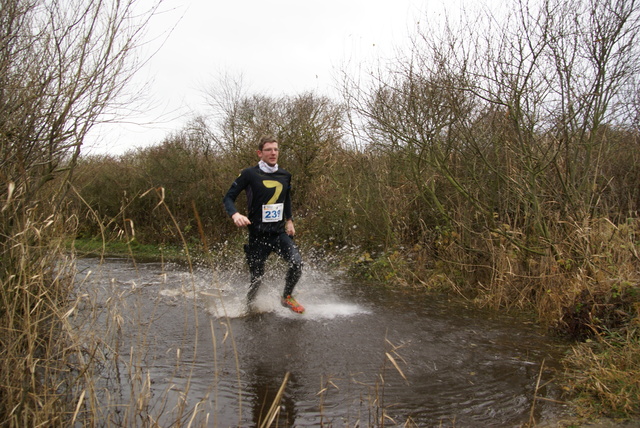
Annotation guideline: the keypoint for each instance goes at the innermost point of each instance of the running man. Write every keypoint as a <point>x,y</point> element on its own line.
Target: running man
<point>269,220</point>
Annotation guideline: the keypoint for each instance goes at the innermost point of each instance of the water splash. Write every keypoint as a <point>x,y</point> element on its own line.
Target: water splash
<point>223,294</point>
<point>320,302</point>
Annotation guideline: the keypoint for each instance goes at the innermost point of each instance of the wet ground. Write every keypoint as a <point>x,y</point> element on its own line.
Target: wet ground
<point>361,355</point>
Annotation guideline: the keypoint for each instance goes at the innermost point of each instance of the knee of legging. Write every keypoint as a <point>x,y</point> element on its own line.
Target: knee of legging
<point>296,263</point>
<point>256,270</point>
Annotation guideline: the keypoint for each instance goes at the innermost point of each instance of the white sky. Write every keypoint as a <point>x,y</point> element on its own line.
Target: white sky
<point>277,47</point>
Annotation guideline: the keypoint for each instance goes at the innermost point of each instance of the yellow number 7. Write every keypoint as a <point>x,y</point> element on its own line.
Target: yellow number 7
<point>272,184</point>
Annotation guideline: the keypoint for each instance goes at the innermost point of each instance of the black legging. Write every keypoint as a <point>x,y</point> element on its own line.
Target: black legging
<point>258,250</point>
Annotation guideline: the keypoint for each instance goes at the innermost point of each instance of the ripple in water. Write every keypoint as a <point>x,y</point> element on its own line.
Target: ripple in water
<point>463,368</point>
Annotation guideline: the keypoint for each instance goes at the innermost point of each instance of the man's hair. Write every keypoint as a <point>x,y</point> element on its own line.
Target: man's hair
<point>266,139</point>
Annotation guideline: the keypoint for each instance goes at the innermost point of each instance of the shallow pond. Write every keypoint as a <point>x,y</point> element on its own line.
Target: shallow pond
<point>361,355</point>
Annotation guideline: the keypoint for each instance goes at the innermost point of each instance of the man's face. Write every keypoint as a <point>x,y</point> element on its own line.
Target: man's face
<point>269,153</point>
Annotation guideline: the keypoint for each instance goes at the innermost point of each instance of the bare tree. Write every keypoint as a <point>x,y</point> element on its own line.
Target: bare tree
<point>517,105</point>
<point>308,126</point>
<point>63,65</point>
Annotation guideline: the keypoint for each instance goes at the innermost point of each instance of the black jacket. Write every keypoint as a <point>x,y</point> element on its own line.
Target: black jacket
<point>262,189</point>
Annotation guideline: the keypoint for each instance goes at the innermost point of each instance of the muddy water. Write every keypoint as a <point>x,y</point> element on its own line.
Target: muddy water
<point>360,355</point>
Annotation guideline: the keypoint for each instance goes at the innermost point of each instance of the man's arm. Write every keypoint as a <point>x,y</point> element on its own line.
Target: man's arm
<point>229,202</point>
<point>288,214</point>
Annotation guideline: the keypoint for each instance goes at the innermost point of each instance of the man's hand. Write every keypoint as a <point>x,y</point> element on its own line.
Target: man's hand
<point>288,227</point>
<point>240,220</point>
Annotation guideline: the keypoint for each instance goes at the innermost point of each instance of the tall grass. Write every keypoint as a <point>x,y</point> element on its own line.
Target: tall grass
<point>603,374</point>
<point>34,293</point>
<point>60,342</point>
<point>60,71</point>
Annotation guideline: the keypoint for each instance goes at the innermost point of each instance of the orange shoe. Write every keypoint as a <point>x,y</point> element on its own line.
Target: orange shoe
<point>291,303</point>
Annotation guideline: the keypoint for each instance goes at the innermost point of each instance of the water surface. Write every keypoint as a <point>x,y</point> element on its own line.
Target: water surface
<point>359,355</point>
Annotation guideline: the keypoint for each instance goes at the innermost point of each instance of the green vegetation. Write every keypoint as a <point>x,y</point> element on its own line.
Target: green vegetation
<point>502,166</point>
<point>603,374</point>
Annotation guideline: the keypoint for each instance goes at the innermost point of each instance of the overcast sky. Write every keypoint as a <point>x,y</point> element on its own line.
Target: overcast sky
<point>278,47</point>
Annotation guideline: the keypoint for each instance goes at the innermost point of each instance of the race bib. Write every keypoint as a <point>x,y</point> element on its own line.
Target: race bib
<point>272,213</point>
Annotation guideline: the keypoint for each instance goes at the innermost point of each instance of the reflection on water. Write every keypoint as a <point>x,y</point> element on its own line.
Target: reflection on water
<point>358,352</point>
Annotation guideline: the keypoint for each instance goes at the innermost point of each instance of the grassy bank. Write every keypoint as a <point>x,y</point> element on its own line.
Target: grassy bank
<point>595,304</point>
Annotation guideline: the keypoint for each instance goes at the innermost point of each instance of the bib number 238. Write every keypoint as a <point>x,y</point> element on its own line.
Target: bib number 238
<point>272,213</point>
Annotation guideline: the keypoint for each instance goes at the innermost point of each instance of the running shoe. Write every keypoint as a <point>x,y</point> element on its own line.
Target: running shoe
<point>291,303</point>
